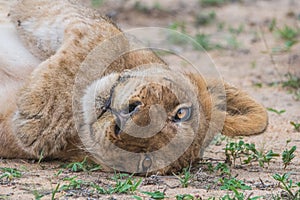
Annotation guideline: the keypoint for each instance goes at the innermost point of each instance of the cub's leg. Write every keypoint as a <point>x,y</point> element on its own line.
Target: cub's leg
<point>16,65</point>
<point>43,123</point>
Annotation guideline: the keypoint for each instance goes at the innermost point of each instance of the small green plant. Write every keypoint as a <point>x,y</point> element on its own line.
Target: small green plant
<point>4,197</point>
<point>185,178</point>
<point>178,26</point>
<point>281,49</point>
<point>292,81</point>
<point>232,42</point>
<point>258,85</point>
<point>37,195</point>
<point>220,26</point>
<point>204,41</point>
<point>297,94</point>
<point>187,197</point>
<point>141,7</point>
<point>144,8</point>
<point>128,185</point>
<point>278,112</point>
<point>74,183</point>
<point>101,190</point>
<point>233,183</point>
<point>58,173</point>
<point>82,166</point>
<point>248,151</point>
<point>260,157</point>
<point>97,3</point>
<point>210,167</point>
<point>205,18</point>
<point>118,176</point>
<point>238,196</point>
<point>293,84</point>
<point>288,155</point>
<point>155,195</point>
<point>236,31</point>
<point>223,168</point>
<point>177,38</point>
<point>272,25</point>
<point>253,64</point>
<point>212,2</point>
<point>137,197</point>
<point>9,173</point>
<point>56,189</point>
<point>233,150</point>
<point>158,6</point>
<point>41,157</point>
<point>288,185</point>
<point>295,125</point>
<point>218,139</point>
<point>288,33</point>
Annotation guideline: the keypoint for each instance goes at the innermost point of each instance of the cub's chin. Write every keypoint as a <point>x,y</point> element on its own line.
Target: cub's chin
<point>136,123</point>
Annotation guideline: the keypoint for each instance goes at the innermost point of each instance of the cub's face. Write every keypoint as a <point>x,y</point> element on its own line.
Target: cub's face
<point>144,120</point>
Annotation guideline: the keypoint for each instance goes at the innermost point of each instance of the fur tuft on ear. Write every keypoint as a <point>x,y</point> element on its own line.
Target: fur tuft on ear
<point>244,116</point>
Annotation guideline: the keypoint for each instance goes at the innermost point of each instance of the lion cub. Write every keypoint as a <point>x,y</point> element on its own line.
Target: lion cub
<point>126,110</point>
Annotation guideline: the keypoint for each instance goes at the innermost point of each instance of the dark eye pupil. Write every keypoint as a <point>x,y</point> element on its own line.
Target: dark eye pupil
<point>182,114</point>
<point>133,106</point>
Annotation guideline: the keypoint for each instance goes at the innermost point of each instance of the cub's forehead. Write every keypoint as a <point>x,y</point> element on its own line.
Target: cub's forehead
<point>154,73</point>
<point>154,85</point>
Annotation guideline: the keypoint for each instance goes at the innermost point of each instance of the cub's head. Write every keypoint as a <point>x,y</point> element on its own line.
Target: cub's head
<point>146,119</point>
<point>152,119</point>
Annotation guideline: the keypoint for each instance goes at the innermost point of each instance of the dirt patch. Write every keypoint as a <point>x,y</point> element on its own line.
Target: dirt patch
<point>244,43</point>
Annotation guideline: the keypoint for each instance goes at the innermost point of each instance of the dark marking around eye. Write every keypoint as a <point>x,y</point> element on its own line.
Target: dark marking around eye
<point>105,107</point>
<point>132,106</point>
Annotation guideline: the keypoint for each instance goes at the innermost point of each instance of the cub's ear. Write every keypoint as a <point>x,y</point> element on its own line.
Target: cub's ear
<point>244,116</point>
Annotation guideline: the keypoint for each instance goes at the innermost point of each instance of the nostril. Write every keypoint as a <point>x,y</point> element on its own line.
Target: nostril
<point>117,126</point>
<point>117,130</point>
<point>120,120</point>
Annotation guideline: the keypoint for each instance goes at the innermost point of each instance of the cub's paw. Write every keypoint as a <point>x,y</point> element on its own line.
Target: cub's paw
<point>39,137</point>
<point>42,123</point>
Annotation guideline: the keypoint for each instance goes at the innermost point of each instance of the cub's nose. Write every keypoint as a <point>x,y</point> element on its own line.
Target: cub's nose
<point>123,115</point>
<point>121,119</point>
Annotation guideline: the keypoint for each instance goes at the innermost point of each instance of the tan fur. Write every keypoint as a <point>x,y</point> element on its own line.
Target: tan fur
<point>42,122</point>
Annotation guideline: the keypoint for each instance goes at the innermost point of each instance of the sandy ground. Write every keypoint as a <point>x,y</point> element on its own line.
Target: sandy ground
<point>247,65</point>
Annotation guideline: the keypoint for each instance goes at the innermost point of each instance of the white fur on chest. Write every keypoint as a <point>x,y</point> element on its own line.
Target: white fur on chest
<point>13,54</point>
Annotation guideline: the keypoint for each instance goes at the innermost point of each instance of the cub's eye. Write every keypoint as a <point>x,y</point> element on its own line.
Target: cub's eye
<point>133,106</point>
<point>182,114</point>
